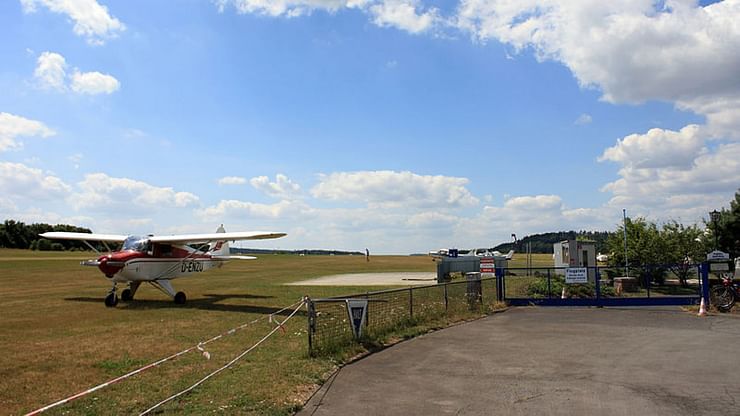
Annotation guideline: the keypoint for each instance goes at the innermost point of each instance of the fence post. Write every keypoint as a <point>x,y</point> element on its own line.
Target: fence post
<point>311,324</point>
<point>549,287</point>
<point>411,303</point>
<point>446,301</point>
<point>597,281</point>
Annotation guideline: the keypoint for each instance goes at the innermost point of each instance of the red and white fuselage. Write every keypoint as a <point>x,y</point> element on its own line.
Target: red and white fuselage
<point>178,261</point>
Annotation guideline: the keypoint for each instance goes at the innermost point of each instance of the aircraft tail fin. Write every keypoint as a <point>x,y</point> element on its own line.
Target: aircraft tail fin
<point>221,248</point>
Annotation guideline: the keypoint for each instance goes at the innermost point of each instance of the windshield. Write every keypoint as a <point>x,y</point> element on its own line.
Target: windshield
<point>135,243</point>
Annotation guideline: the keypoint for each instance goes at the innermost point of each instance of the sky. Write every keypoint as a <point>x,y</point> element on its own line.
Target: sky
<point>400,126</point>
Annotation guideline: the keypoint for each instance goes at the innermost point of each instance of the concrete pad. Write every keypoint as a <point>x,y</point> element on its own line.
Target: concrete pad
<point>372,279</point>
<point>549,361</point>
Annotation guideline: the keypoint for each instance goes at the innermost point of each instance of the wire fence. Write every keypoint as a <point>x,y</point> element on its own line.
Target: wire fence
<point>329,326</point>
<point>658,280</point>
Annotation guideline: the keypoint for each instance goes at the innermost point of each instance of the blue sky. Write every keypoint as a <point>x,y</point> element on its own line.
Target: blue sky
<point>397,125</point>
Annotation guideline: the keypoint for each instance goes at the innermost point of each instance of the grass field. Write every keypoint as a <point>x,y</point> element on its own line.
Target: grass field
<point>57,338</point>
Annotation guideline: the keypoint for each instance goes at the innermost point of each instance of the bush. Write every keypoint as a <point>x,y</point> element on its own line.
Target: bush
<point>538,289</point>
<point>57,247</point>
<point>43,245</point>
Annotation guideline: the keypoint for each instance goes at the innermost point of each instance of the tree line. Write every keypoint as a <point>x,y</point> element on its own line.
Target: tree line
<point>542,243</point>
<point>15,234</point>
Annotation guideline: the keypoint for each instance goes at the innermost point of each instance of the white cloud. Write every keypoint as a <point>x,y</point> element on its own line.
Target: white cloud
<point>93,83</point>
<point>91,19</point>
<point>395,189</point>
<point>76,159</point>
<point>99,191</point>
<point>402,14</point>
<point>234,209</point>
<point>583,119</point>
<point>12,127</point>
<point>632,50</point>
<point>288,8</point>
<point>283,187</point>
<point>232,180</point>
<point>50,71</point>
<point>18,181</point>
<point>658,148</point>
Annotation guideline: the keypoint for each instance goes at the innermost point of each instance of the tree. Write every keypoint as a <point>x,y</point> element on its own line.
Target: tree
<point>645,249</point>
<point>685,247</point>
<point>728,228</point>
<point>656,250</point>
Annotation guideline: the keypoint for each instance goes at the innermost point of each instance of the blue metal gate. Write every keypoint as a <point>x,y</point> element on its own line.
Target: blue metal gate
<point>652,285</point>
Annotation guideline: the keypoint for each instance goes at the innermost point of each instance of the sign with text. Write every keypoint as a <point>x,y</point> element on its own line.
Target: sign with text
<point>487,265</point>
<point>718,255</point>
<point>357,310</point>
<point>576,275</point>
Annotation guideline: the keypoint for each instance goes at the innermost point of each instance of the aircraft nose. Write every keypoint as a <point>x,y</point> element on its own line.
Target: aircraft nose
<point>109,267</point>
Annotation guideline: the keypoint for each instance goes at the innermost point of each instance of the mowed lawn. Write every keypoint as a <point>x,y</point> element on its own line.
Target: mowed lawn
<point>57,338</point>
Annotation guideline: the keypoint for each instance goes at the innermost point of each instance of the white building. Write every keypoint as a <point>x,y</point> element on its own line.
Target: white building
<point>574,253</point>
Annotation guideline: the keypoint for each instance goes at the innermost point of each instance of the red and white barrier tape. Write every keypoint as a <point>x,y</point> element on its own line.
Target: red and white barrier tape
<point>199,347</point>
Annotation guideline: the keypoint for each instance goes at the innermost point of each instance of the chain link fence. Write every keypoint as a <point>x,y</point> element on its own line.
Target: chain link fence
<point>329,326</point>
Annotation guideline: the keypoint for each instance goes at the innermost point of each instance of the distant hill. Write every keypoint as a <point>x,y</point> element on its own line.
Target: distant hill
<point>542,243</point>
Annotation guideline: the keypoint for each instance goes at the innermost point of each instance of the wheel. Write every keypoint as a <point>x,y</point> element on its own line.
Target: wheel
<point>180,298</point>
<point>722,297</point>
<point>111,300</point>
<point>126,295</point>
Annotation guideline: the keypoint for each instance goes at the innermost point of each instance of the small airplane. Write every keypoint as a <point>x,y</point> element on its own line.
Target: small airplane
<point>602,257</point>
<point>158,259</point>
<point>478,252</point>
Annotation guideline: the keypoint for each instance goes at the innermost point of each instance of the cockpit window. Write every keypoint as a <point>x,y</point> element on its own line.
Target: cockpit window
<point>136,243</point>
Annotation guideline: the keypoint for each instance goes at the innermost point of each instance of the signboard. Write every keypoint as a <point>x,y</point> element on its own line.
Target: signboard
<point>718,255</point>
<point>357,310</point>
<point>576,275</point>
<point>487,265</point>
<point>719,267</point>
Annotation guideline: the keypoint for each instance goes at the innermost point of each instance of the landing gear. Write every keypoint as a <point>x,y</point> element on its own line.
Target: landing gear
<point>111,300</point>
<point>126,295</point>
<point>180,298</point>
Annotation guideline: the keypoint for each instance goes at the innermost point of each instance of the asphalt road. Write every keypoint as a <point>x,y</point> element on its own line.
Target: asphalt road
<point>550,361</point>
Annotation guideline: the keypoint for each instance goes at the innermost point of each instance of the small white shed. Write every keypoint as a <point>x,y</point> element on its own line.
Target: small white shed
<point>574,253</point>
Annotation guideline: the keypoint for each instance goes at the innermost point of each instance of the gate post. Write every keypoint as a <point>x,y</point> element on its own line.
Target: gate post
<point>705,282</point>
<point>499,284</point>
<point>597,282</point>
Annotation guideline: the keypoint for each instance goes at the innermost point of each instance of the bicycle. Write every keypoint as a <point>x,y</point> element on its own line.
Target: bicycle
<point>724,295</point>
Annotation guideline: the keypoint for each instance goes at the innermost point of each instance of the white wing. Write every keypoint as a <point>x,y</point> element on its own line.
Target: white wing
<point>59,235</point>
<point>202,238</point>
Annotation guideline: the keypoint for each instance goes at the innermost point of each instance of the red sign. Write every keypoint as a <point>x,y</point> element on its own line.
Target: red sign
<point>487,266</point>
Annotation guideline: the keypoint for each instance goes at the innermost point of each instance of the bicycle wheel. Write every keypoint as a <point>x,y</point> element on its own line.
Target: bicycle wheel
<point>722,297</point>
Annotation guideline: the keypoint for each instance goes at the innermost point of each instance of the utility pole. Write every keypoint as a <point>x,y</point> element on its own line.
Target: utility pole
<point>624,219</point>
